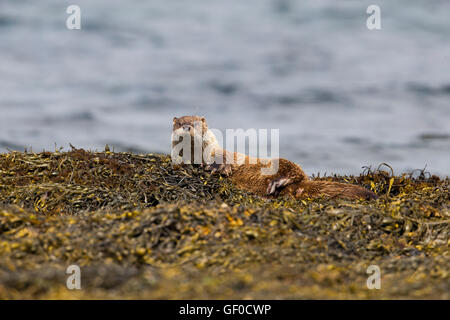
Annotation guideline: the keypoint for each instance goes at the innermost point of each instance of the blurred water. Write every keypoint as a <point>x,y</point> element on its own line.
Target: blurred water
<point>341,95</point>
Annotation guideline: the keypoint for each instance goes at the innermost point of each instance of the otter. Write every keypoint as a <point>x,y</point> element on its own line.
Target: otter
<point>246,172</point>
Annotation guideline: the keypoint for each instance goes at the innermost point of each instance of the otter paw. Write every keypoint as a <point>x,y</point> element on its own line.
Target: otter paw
<point>275,186</point>
<point>220,168</point>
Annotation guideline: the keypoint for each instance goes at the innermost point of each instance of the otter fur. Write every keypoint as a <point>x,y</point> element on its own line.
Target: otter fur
<point>245,172</point>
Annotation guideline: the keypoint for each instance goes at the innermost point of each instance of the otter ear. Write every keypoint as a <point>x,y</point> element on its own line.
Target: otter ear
<point>203,120</point>
<point>175,119</point>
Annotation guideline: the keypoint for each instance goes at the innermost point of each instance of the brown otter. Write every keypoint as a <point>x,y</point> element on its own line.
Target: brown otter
<point>245,172</point>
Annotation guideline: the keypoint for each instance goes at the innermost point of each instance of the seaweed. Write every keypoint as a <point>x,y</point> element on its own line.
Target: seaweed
<point>139,228</point>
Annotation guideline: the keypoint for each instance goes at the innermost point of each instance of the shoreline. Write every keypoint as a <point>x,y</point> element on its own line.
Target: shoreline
<point>139,229</point>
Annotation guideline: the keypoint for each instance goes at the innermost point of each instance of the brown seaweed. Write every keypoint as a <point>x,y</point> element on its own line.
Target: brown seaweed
<point>139,228</point>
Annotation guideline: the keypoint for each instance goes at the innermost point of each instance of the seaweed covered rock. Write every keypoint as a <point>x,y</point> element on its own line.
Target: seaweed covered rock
<point>140,229</point>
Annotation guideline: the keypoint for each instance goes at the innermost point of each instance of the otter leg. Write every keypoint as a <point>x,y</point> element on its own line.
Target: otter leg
<point>275,186</point>
<point>222,168</point>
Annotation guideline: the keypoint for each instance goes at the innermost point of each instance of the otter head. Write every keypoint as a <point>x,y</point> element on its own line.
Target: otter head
<point>195,126</point>
<point>187,139</point>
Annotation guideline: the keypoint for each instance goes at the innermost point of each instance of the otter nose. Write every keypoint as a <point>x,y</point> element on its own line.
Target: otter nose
<point>186,128</point>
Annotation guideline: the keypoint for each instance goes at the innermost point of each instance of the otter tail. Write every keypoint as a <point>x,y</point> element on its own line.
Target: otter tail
<point>315,189</point>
